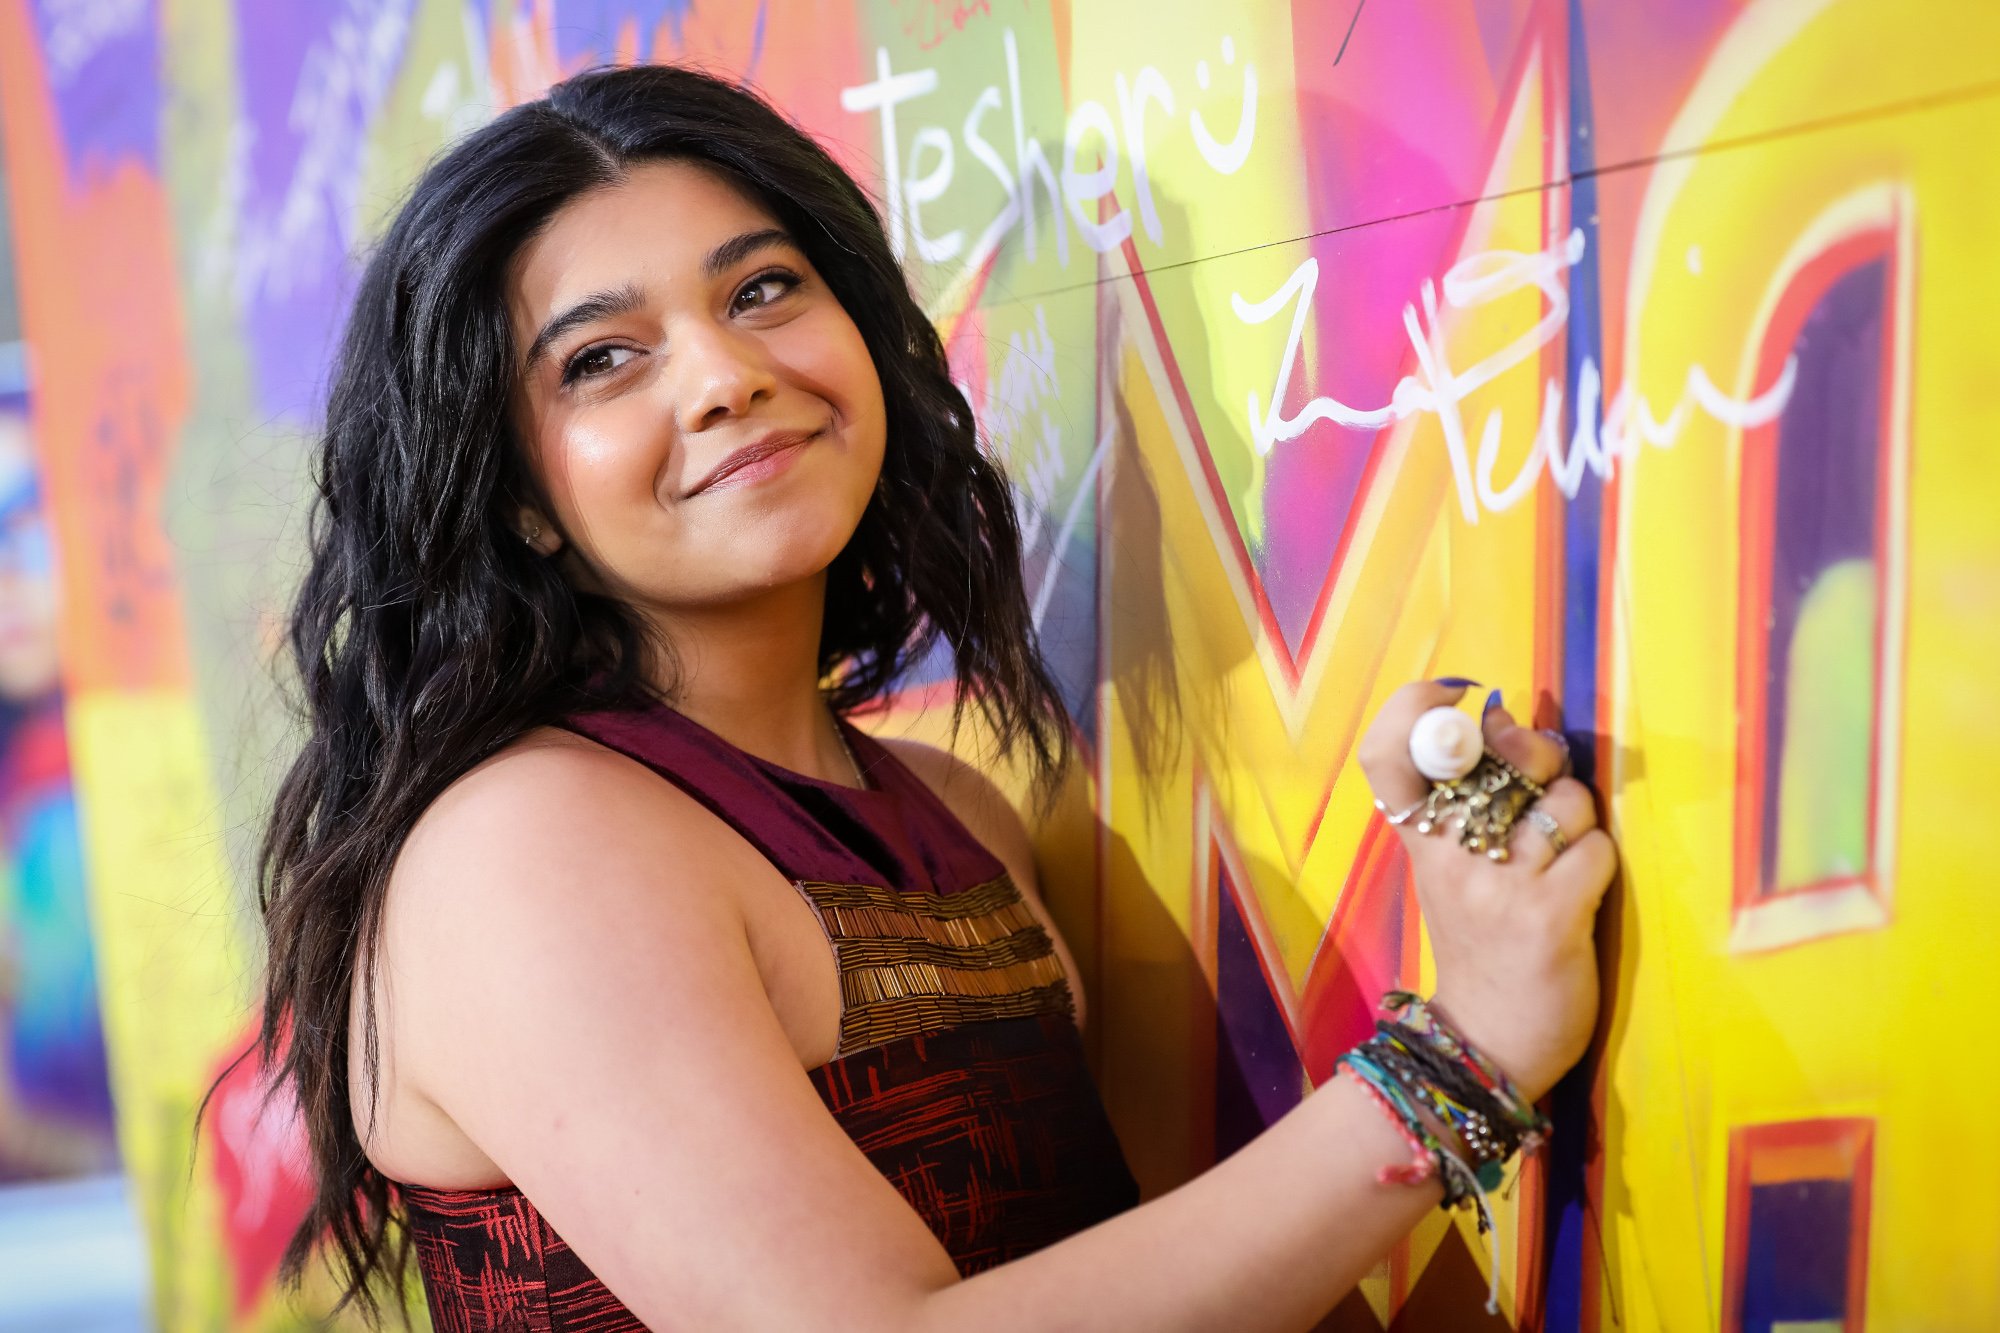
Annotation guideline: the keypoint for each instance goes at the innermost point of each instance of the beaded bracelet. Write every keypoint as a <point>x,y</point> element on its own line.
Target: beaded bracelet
<point>1423,1022</point>
<point>1418,1063</point>
<point>1487,1145</point>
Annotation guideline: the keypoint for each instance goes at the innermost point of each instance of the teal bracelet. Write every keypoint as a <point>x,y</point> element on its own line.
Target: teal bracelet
<point>1418,1018</point>
<point>1420,1064</point>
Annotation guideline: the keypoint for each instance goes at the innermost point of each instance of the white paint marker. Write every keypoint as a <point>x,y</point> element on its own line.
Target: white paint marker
<point>1446,743</point>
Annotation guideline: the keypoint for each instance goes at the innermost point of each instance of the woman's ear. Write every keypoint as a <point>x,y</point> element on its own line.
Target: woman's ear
<point>537,532</point>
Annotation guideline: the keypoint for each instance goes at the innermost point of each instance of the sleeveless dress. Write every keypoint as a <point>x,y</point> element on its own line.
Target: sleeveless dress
<point>959,1071</point>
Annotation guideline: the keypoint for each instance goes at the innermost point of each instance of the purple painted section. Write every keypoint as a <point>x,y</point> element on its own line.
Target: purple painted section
<point>1258,1076</point>
<point>1403,125</point>
<point>103,66</point>
<point>1312,483</point>
<point>1396,139</point>
<point>1801,1233</point>
<point>1828,442</point>
<point>313,77</point>
<point>586,31</point>
<point>1630,44</point>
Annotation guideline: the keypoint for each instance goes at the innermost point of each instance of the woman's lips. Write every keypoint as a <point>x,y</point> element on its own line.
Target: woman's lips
<point>765,456</point>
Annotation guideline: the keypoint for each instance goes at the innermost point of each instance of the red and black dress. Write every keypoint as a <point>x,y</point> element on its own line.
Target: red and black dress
<point>959,1072</point>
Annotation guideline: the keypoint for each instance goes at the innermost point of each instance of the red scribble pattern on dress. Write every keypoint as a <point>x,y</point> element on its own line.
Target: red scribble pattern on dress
<point>992,1132</point>
<point>490,1262</point>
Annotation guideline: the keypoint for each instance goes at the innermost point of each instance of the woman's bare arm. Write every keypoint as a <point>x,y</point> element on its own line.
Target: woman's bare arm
<point>577,992</point>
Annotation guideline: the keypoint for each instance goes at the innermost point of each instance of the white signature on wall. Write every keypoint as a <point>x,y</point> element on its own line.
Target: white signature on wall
<point>1595,443</point>
<point>1087,200</point>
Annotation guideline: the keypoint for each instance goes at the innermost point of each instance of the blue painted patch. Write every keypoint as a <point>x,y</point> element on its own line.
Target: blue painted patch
<point>586,31</point>
<point>1564,1224</point>
<point>1795,1269</point>
<point>313,78</point>
<point>103,68</point>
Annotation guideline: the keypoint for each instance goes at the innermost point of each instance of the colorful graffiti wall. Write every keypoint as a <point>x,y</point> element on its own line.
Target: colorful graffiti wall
<point>59,1165</point>
<point>1632,358</point>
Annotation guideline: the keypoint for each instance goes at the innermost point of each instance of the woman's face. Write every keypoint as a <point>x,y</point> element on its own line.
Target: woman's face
<point>701,412</point>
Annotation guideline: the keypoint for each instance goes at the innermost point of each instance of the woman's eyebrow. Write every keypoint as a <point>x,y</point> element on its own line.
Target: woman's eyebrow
<point>598,305</point>
<point>734,250</point>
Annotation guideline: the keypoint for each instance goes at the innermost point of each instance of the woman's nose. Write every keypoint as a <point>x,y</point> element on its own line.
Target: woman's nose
<point>723,372</point>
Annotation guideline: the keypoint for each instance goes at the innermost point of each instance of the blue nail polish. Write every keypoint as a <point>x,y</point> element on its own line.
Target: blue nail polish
<point>1455,682</point>
<point>1492,701</point>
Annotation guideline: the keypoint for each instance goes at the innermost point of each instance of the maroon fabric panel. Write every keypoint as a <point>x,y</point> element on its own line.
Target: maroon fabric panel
<point>896,833</point>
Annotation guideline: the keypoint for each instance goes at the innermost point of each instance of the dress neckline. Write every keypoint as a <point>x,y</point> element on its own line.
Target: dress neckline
<point>869,756</point>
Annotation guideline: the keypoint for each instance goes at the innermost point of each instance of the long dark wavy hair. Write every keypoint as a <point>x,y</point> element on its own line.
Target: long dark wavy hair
<point>426,635</point>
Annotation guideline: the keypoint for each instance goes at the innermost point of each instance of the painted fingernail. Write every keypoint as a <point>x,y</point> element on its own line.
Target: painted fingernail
<point>1455,682</point>
<point>1557,737</point>
<point>1492,701</point>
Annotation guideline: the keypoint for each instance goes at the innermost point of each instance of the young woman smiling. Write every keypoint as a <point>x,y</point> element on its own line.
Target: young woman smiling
<point>608,963</point>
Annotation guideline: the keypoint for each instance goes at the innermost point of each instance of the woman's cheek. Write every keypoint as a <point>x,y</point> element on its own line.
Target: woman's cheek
<point>612,461</point>
<point>828,352</point>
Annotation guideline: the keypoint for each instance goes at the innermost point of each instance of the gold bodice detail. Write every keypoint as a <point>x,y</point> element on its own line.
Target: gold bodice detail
<point>912,964</point>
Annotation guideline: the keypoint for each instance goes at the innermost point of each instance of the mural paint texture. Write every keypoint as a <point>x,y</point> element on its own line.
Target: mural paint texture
<point>56,1117</point>
<point>1633,359</point>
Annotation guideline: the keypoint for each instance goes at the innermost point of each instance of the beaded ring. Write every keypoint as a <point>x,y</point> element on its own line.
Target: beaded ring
<point>1482,805</point>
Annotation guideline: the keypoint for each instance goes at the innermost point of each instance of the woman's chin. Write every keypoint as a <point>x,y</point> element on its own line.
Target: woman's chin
<point>755,569</point>
<point>793,547</point>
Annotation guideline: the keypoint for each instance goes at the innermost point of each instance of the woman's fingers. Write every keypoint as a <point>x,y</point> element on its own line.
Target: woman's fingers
<point>1541,756</point>
<point>1585,869</point>
<point>1385,746</point>
<point>1510,939</point>
<point>1535,753</point>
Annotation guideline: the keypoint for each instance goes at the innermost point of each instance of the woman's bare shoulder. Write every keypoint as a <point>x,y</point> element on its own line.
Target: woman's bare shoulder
<point>540,784</point>
<point>552,809</point>
<point>526,766</point>
<point>580,999</point>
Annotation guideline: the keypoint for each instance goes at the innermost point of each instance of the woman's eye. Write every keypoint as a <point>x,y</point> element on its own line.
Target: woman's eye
<point>764,289</point>
<point>595,361</point>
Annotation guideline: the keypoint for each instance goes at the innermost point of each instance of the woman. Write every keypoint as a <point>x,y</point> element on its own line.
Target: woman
<point>642,464</point>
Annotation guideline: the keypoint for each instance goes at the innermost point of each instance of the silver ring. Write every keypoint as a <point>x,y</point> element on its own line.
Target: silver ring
<point>1398,818</point>
<point>1545,824</point>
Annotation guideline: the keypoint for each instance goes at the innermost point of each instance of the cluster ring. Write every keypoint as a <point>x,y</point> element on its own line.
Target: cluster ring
<point>1482,807</point>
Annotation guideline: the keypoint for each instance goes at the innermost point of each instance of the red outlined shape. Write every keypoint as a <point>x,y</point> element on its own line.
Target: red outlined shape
<point>1757,534</point>
<point>1774,1154</point>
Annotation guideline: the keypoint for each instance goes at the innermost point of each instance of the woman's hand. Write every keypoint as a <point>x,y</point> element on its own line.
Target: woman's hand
<point>1516,962</point>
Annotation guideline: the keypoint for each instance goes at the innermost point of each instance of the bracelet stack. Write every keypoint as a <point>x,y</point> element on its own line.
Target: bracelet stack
<point>1424,1075</point>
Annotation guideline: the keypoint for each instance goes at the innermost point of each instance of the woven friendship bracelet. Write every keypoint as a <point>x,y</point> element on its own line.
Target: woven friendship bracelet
<point>1425,1076</point>
<point>1420,1020</point>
